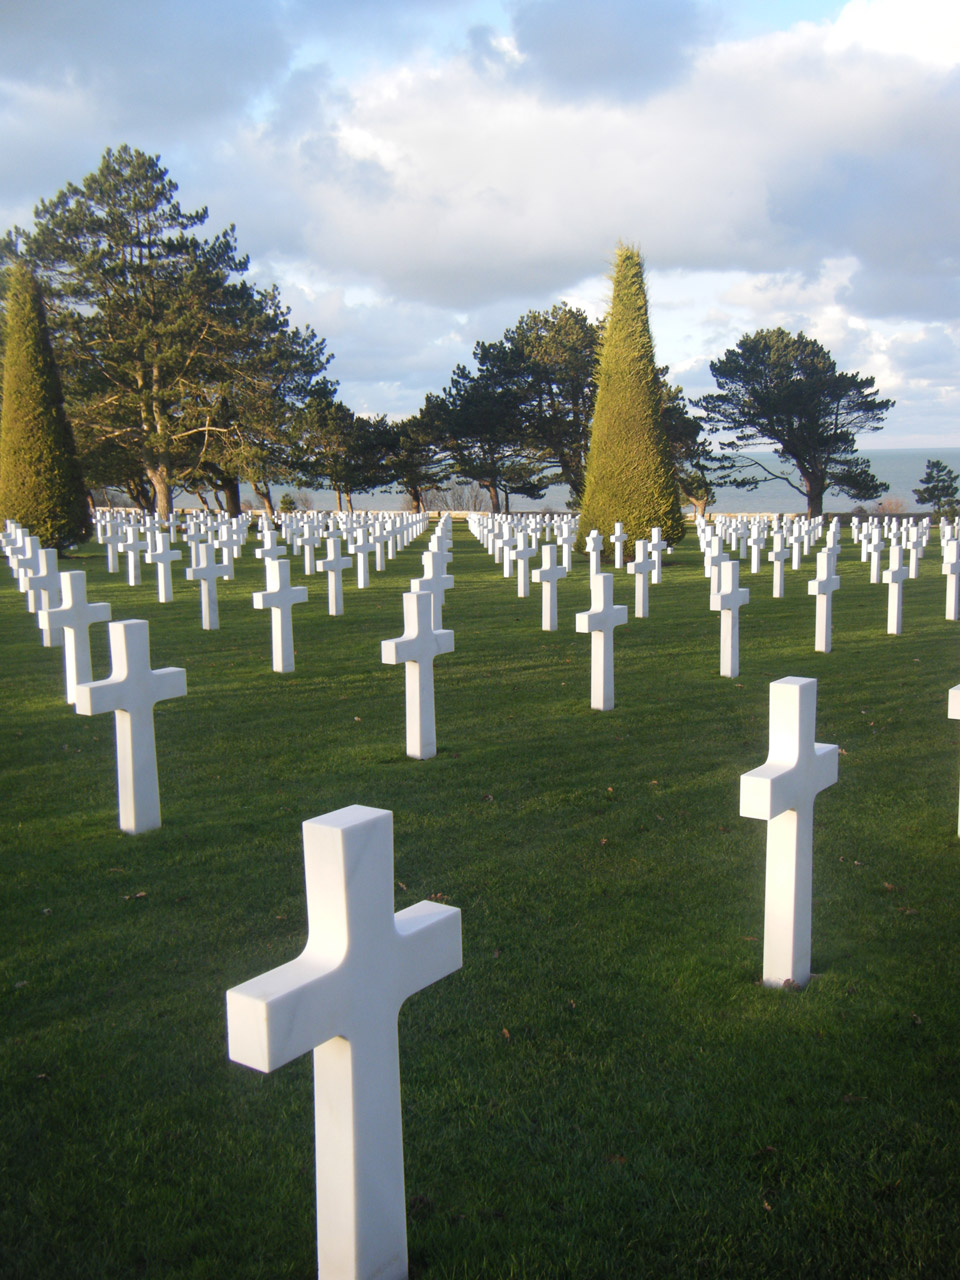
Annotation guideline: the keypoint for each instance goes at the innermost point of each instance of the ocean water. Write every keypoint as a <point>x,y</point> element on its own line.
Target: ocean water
<point>902,469</point>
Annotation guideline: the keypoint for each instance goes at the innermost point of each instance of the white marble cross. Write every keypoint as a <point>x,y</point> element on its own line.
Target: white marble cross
<point>271,548</point>
<point>43,594</point>
<point>206,571</point>
<point>333,566</point>
<point>713,560</point>
<point>953,713</point>
<point>781,792</point>
<point>894,578</point>
<point>435,583</point>
<point>598,622</point>
<point>594,547</point>
<point>876,547</point>
<point>823,586</point>
<point>777,556</point>
<point>566,540</point>
<point>416,649</point>
<point>163,556</point>
<point>618,538</point>
<point>657,546</point>
<point>340,998</point>
<point>951,567</point>
<point>132,545</point>
<point>525,551</point>
<point>641,565</point>
<point>361,547</point>
<point>75,617</point>
<point>114,536</point>
<point>131,691</point>
<point>280,598</point>
<point>728,600</point>
<point>547,576</point>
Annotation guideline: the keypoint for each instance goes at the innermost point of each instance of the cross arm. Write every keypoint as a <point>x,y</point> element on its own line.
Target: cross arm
<point>284,1013</point>
<point>430,940</point>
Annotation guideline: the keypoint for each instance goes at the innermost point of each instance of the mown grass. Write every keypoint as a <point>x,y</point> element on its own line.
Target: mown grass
<point>604,1090</point>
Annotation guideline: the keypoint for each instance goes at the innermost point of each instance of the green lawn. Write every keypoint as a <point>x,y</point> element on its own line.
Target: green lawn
<point>604,1090</point>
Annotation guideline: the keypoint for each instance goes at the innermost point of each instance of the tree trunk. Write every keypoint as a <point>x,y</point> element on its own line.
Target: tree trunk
<point>350,502</point>
<point>263,493</point>
<point>493,494</point>
<point>814,497</point>
<point>339,500</point>
<point>160,479</point>
<point>231,495</point>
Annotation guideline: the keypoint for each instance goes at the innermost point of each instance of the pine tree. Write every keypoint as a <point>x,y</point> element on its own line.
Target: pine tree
<point>40,481</point>
<point>939,487</point>
<point>629,474</point>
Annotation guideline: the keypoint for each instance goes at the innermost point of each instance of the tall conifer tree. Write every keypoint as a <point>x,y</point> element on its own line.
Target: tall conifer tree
<point>40,481</point>
<point>629,473</point>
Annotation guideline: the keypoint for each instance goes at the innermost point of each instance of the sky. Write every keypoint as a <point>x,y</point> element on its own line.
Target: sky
<point>416,176</point>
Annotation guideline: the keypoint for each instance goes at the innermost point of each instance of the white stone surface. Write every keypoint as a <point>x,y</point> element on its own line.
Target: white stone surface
<point>781,793</point>
<point>74,616</point>
<point>951,568</point>
<point>333,566</point>
<point>206,571</point>
<point>162,555</point>
<point>547,576</point>
<point>729,599</point>
<point>341,998</point>
<point>416,649</point>
<point>131,691</point>
<point>894,578</point>
<point>280,598</point>
<point>823,586</point>
<point>953,712</point>
<point>641,566</point>
<point>594,548</point>
<point>598,622</point>
<point>777,556</point>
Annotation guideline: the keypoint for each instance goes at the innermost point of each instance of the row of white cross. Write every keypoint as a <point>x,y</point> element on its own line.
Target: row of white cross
<point>341,997</point>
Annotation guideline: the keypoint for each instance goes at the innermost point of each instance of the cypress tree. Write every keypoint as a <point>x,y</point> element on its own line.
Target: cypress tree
<point>629,473</point>
<point>41,485</point>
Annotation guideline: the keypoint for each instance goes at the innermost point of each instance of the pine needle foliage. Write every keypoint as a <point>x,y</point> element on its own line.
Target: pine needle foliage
<point>41,485</point>
<point>629,475</point>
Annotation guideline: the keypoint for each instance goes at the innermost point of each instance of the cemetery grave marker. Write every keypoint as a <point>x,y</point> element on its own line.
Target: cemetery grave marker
<point>781,792</point>
<point>131,691</point>
<point>341,998</point>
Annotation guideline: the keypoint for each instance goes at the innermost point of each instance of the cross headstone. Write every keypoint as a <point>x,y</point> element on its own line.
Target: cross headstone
<point>280,598</point>
<point>823,586</point>
<point>75,617</point>
<point>361,547</point>
<point>43,594</point>
<point>340,999</point>
<point>594,547</point>
<point>781,792</point>
<point>953,713</point>
<point>162,555</point>
<point>206,571</point>
<point>333,566</point>
<point>416,649</point>
<point>951,568</point>
<point>132,545</point>
<point>525,550</point>
<point>657,546</point>
<point>729,599</point>
<point>777,557</point>
<point>894,578</point>
<point>641,565</point>
<point>435,583</point>
<point>618,538</point>
<point>131,691</point>
<point>548,575</point>
<point>598,622</point>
